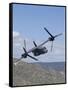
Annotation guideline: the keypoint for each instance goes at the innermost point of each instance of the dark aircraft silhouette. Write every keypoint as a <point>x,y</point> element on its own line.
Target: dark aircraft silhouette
<point>38,49</point>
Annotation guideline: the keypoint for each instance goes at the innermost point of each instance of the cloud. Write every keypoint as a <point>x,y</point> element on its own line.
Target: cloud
<point>18,44</point>
<point>57,54</point>
<point>16,34</point>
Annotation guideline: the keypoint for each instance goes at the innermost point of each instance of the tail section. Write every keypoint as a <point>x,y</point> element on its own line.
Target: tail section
<point>35,44</point>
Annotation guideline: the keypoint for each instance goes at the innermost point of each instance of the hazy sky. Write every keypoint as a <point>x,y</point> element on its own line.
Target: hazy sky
<point>29,22</point>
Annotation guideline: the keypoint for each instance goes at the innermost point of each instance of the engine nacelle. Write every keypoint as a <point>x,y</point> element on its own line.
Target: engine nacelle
<point>51,39</point>
<point>24,55</point>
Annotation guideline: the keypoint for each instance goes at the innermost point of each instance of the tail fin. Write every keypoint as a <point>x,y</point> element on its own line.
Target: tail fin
<point>35,44</point>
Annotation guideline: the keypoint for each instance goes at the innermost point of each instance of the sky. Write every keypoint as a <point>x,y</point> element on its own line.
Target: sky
<point>28,24</point>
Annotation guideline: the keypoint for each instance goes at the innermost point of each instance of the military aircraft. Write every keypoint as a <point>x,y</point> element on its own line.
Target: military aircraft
<point>38,49</point>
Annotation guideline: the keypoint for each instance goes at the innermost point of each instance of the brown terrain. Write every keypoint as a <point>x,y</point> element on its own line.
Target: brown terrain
<point>25,74</point>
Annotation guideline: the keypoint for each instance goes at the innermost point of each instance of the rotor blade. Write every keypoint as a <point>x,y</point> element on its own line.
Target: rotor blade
<point>48,32</point>
<point>51,46</point>
<point>24,50</point>
<point>58,35</point>
<point>32,57</point>
<point>24,44</point>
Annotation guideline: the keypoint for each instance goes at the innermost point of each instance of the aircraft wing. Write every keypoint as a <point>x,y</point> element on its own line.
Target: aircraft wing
<point>37,46</point>
<point>43,43</point>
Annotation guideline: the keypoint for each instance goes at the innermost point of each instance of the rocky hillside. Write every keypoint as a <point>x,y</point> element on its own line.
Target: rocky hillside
<point>33,74</point>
